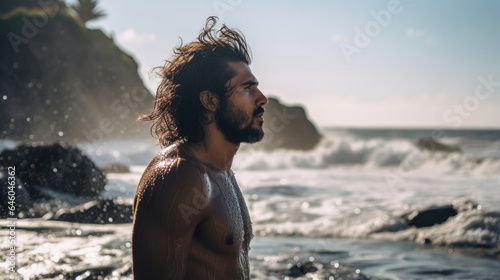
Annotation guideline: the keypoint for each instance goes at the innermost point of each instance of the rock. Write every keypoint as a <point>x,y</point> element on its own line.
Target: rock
<point>58,166</point>
<point>434,146</point>
<point>22,200</point>
<point>288,128</point>
<point>65,82</point>
<point>430,217</point>
<point>116,167</point>
<point>393,226</point>
<point>79,272</point>
<point>96,212</point>
<point>300,269</point>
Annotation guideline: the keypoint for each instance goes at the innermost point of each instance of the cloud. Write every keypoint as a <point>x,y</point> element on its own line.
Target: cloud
<point>130,35</point>
<point>421,35</point>
<point>338,38</point>
<point>415,33</point>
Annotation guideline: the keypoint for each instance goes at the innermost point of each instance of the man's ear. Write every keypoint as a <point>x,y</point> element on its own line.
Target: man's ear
<point>209,100</point>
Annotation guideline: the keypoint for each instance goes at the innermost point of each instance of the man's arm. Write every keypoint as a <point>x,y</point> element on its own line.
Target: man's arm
<point>168,207</point>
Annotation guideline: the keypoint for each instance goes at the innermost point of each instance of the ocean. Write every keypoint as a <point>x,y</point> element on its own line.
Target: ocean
<point>336,212</point>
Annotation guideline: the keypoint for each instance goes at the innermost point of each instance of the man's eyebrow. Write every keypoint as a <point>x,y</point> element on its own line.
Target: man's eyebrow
<point>250,83</point>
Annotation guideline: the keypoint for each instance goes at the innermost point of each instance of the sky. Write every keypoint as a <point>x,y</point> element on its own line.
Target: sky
<point>380,63</point>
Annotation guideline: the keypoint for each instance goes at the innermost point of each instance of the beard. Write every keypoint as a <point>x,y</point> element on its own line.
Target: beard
<point>237,126</point>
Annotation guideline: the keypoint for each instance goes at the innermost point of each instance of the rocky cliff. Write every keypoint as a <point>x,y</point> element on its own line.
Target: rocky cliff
<point>60,81</point>
<point>287,127</point>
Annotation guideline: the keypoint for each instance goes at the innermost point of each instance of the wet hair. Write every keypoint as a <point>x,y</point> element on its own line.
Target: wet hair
<point>201,65</point>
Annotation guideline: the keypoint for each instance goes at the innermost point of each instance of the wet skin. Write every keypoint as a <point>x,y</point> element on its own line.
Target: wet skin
<point>190,221</point>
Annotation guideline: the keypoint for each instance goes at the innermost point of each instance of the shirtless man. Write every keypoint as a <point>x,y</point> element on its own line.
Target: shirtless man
<point>190,218</point>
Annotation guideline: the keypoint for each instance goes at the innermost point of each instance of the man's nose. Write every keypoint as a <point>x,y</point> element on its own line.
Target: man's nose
<point>261,99</point>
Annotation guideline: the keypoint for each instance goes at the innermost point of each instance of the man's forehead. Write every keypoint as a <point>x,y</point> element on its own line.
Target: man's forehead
<point>243,72</point>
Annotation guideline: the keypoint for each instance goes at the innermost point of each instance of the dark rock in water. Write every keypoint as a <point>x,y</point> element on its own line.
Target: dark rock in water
<point>301,269</point>
<point>288,128</point>
<point>59,167</point>
<point>322,270</point>
<point>96,212</point>
<point>116,167</point>
<point>434,146</point>
<point>13,188</point>
<point>89,273</point>
<point>430,217</point>
<point>394,226</point>
<point>68,83</point>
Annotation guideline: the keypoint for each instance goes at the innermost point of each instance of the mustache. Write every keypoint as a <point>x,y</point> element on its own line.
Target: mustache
<point>258,111</point>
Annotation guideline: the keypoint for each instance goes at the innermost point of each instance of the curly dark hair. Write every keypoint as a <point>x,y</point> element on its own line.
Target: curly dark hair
<point>201,65</point>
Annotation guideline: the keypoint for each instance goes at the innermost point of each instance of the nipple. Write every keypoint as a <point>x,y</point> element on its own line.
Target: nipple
<point>230,240</point>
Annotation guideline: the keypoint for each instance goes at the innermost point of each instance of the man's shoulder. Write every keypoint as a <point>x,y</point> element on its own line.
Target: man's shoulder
<point>170,167</point>
<point>173,185</point>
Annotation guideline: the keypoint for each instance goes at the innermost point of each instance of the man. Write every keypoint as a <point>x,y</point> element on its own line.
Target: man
<point>190,218</point>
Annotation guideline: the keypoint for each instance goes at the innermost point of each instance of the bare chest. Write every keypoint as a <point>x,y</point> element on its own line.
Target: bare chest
<point>227,228</point>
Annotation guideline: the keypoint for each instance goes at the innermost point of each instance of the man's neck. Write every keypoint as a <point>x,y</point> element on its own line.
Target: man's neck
<point>214,149</point>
